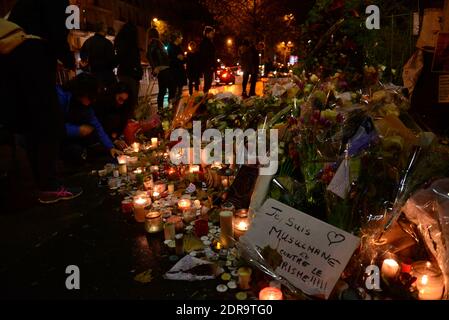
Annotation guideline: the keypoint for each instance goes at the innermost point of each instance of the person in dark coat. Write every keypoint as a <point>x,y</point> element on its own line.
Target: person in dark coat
<point>99,56</point>
<point>28,79</point>
<point>249,59</point>
<point>177,64</point>
<point>208,58</point>
<point>128,60</point>
<point>160,63</point>
<point>193,68</point>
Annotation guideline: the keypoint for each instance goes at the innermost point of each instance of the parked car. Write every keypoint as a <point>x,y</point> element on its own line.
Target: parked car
<point>225,76</point>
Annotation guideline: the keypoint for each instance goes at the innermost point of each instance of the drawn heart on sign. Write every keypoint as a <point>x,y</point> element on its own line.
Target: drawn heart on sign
<point>335,238</point>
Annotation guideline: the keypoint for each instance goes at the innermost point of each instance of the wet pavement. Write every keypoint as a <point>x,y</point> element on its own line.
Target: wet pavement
<point>90,232</point>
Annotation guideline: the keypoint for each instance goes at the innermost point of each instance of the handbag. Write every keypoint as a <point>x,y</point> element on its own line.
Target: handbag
<point>12,36</point>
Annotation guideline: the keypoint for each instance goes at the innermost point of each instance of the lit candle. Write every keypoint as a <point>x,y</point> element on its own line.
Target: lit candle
<point>154,142</point>
<point>216,165</point>
<point>138,171</point>
<point>227,232</point>
<point>154,169</point>
<point>430,281</point>
<point>270,293</point>
<point>195,169</point>
<point>390,269</point>
<point>156,195</point>
<point>245,278</point>
<point>184,204</point>
<point>171,188</point>
<point>140,205</point>
<point>136,147</point>
<point>153,222</point>
<point>122,167</point>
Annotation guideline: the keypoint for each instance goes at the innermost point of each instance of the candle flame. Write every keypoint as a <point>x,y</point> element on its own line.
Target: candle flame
<point>425,280</point>
<point>141,201</point>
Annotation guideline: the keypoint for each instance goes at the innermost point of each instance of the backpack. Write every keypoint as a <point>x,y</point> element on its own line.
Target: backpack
<point>12,36</point>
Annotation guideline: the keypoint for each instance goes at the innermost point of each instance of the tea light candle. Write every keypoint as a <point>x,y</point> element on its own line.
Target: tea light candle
<point>270,293</point>
<point>390,269</point>
<point>153,222</point>
<point>140,205</point>
<point>227,231</point>
<point>216,165</point>
<point>136,147</point>
<point>430,281</point>
<point>171,188</point>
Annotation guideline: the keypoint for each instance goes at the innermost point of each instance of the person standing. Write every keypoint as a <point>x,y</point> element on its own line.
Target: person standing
<point>249,59</point>
<point>160,63</point>
<point>28,82</point>
<point>193,68</point>
<point>130,69</point>
<point>177,64</point>
<point>97,53</point>
<point>208,57</point>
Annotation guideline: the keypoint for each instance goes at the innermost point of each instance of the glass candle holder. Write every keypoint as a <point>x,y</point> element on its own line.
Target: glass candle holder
<point>241,223</point>
<point>153,222</point>
<point>390,269</point>
<point>228,206</point>
<point>430,280</point>
<point>140,205</point>
<point>179,240</point>
<point>171,188</point>
<point>245,278</point>
<point>169,231</point>
<point>227,230</point>
<point>201,228</point>
<point>177,221</point>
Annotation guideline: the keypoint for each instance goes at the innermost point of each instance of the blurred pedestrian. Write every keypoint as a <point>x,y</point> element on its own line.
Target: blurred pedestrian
<point>249,59</point>
<point>30,101</point>
<point>128,59</point>
<point>98,56</point>
<point>208,57</point>
<point>160,63</point>
<point>177,64</point>
<point>193,68</point>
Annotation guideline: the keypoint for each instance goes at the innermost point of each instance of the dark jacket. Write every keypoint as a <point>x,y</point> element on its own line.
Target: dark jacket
<point>207,53</point>
<point>114,119</point>
<point>46,19</point>
<point>176,65</point>
<point>193,65</point>
<point>157,54</point>
<point>249,60</point>
<point>99,52</point>
<point>128,59</point>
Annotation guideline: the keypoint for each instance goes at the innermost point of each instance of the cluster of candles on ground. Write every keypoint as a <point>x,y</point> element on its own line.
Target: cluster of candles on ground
<point>171,222</point>
<point>429,278</point>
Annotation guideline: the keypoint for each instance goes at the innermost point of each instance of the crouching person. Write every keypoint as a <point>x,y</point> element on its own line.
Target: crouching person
<point>83,129</point>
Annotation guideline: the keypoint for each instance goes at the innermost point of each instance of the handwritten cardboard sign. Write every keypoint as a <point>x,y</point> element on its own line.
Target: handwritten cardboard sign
<point>314,254</point>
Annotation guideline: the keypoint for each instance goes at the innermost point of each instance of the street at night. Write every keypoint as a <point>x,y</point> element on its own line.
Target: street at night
<point>246,152</point>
